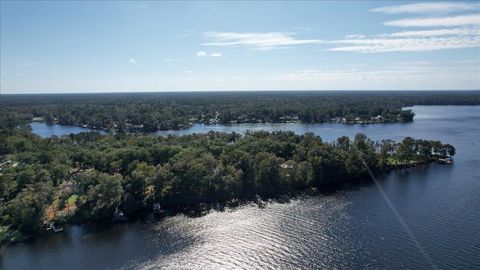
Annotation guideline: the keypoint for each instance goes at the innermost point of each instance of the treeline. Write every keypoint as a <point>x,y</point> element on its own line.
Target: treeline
<point>148,112</point>
<point>88,176</point>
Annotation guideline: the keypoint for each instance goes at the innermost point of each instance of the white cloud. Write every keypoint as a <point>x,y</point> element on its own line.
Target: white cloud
<point>188,71</point>
<point>437,32</point>
<point>205,54</point>
<point>470,19</point>
<point>451,32</point>
<point>355,36</point>
<point>168,60</point>
<point>428,7</point>
<point>406,44</point>
<point>262,41</point>
<point>132,61</point>
<point>407,41</point>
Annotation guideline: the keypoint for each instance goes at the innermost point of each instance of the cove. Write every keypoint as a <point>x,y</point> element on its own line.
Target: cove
<point>355,227</point>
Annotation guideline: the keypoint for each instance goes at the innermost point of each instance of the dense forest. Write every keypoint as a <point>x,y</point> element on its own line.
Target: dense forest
<point>146,112</point>
<point>89,176</point>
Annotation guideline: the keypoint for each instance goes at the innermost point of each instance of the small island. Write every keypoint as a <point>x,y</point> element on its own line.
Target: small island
<point>92,177</point>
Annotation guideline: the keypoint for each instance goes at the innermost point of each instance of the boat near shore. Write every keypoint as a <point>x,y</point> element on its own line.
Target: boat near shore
<point>119,216</point>
<point>157,209</point>
<point>53,227</point>
<point>447,160</point>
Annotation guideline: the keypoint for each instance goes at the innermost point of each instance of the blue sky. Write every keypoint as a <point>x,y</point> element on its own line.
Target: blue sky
<point>66,47</point>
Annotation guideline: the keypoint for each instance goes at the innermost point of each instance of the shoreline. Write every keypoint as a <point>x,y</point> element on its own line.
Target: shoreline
<point>200,209</point>
<point>105,174</point>
<point>141,132</point>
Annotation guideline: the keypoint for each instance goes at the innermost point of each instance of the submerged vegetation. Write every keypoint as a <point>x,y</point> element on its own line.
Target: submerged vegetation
<point>146,112</point>
<point>89,176</point>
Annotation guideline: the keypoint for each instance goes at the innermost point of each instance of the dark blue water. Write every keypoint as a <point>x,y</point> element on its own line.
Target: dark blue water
<point>43,130</point>
<point>432,222</point>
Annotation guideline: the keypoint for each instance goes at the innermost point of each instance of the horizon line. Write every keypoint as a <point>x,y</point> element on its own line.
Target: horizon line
<point>244,91</point>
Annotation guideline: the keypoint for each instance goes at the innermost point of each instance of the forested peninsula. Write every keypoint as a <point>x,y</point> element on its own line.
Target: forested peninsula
<point>148,112</point>
<point>87,177</point>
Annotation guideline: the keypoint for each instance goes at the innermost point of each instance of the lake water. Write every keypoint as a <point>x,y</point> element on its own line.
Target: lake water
<point>432,221</point>
<point>43,130</point>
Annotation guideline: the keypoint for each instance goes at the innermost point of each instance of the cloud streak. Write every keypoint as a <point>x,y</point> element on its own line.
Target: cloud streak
<point>446,32</point>
<point>449,32</point>
<point>462,20</point>
<point>261,41</point>
<point>406,41</point>
<point>354,36</point>
<point>437,32</point>
<point>406,44</point>
<point>428,8</point>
